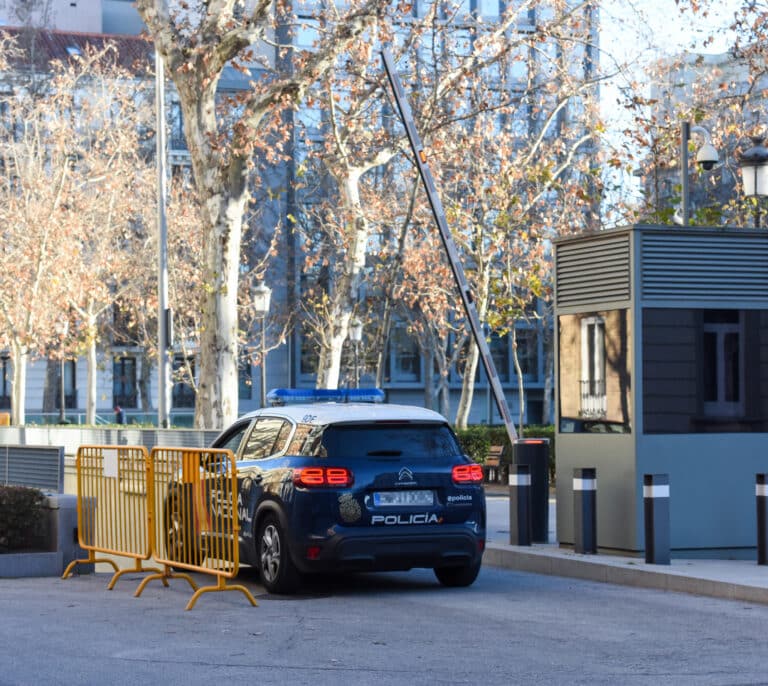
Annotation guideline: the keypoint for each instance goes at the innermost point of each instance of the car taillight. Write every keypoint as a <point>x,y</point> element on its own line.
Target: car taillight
<point>467,474</point>
<point>314,477</point>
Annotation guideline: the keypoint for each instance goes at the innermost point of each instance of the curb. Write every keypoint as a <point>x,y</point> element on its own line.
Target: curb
<point>636,574</point>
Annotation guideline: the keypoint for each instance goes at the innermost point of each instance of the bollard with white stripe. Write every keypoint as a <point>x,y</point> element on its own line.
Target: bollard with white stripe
<point>520,529</point>
<point>761,495</point>
<point>584,510</point>
<point>656,504</point>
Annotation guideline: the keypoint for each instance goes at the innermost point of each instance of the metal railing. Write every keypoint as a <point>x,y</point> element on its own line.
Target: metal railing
<point>177,506</point>
<point>593,399</point>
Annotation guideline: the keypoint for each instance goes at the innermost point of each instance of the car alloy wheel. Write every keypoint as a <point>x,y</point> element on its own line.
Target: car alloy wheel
<point>278,573</point>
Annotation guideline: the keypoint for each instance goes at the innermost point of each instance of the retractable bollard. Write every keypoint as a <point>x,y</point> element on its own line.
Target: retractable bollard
<point>520,530</point>
<point>584,510</point>
<point>534,452</point>
<point>656,504</point>
<point>761,495</point>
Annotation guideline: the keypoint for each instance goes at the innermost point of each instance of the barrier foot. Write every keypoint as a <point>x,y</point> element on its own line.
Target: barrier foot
<point>164,576</point>
<point>221,586</point>
<point>90,560</point>
<point>138,568</point>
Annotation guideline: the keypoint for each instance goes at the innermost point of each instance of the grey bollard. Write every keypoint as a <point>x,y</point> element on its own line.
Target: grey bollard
<point>520,530</point>
<point>584,511</point>
<point>656,504</point>
<point>761,495</point>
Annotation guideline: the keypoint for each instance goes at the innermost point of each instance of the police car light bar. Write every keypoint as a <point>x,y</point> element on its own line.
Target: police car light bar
<point>281,396</point>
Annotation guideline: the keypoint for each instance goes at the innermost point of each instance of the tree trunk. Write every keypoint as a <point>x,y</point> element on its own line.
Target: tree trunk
<point>467,385</point>
<point>348,287</point>
<point>549,371</point>
<point>91,394</point>
<point>520,386</point>
<point>217,397</point>
<point>19,392</point>
<point>429,379</point>
<point>52,368</point>
<point>143,382</point>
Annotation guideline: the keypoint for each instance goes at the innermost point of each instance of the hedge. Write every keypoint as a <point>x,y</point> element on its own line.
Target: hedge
<point>22,518</point>
<point>476,441</point>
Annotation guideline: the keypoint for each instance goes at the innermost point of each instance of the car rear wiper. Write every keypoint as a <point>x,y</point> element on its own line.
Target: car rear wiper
<point>384,453</point>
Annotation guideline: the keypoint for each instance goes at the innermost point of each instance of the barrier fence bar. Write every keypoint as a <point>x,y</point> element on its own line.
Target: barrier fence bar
<point>114,486</point>
<point>761,496</point>
<point>196,525</point>
<point>584,510</point>
<point>520,529</point>
<point>656,506</point>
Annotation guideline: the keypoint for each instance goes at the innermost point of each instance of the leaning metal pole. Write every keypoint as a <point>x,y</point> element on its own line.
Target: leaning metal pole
<point>450,247</point>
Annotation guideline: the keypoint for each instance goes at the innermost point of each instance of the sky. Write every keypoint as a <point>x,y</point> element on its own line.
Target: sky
<point>663,30</point>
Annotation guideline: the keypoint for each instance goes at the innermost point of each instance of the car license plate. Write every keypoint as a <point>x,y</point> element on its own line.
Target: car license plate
<point>400,498</point>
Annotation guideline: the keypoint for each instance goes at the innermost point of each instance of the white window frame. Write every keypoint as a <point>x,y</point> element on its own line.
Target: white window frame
<point>722,407</point>
<point>593,392</point>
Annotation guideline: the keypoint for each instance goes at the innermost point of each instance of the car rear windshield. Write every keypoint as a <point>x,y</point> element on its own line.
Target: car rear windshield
<point>396,439</point>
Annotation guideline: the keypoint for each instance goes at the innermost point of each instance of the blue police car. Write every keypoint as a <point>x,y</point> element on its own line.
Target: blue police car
<point>332,486</point>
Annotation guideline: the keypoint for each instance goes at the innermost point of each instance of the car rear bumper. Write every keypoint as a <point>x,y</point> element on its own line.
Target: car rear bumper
<point>390,551</point>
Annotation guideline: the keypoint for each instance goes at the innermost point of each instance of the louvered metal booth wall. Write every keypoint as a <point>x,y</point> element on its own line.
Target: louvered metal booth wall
<point>662,368</point>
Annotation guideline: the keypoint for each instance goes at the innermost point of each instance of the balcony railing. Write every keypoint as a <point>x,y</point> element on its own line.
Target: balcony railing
<point>593,404</point>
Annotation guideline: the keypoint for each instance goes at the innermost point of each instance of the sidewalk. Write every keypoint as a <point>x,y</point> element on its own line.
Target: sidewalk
<point>730,579</point>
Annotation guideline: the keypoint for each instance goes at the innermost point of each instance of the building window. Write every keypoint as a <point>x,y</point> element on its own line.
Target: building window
<point>244,378</point>
<point>528,352</point>
<point>593,398</point>
<point>404,359</point>
<point>178,139</point>
<point>124,391</point>
<point>5,382</point>
<point>499,346</point>
<point>183,372</point>
<point>70,391</point>
<point>722,370</point>
<point>309,353</point>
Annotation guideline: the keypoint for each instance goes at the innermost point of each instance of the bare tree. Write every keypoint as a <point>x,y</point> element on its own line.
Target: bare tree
<point>223,134</point>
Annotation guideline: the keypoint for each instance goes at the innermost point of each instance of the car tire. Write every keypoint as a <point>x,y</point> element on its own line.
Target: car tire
<point>278,573</point>
<point>456,577</point>
<point>180,539</point>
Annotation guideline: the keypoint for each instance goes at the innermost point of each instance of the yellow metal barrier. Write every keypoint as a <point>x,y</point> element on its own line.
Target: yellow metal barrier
<point>196,524</point>
<point>114,487</point>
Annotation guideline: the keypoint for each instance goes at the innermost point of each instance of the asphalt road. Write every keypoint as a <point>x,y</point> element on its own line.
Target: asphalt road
<point>508,628</point>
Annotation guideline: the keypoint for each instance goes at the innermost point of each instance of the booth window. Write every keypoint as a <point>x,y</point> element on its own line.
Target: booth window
<point>594,389</point>
<point>723,363</point>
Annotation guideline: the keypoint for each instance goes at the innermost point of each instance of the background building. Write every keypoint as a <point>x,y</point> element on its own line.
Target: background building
<point>405,367</point>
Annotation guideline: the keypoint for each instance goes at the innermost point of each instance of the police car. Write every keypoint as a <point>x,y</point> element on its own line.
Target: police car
<point>337,486</point>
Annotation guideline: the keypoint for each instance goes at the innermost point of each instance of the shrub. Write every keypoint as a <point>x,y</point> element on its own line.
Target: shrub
<point>22,518</point>
<point>476,440</point>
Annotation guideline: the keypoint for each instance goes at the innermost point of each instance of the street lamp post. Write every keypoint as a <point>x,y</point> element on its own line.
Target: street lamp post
<point>356,335</point>
<point>707,157</point>
<point>754,173</point>
<point>261,297</point>
<point>163,312</point>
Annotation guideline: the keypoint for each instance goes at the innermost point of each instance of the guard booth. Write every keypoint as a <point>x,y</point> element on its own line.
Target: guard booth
<point>661,343</point>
